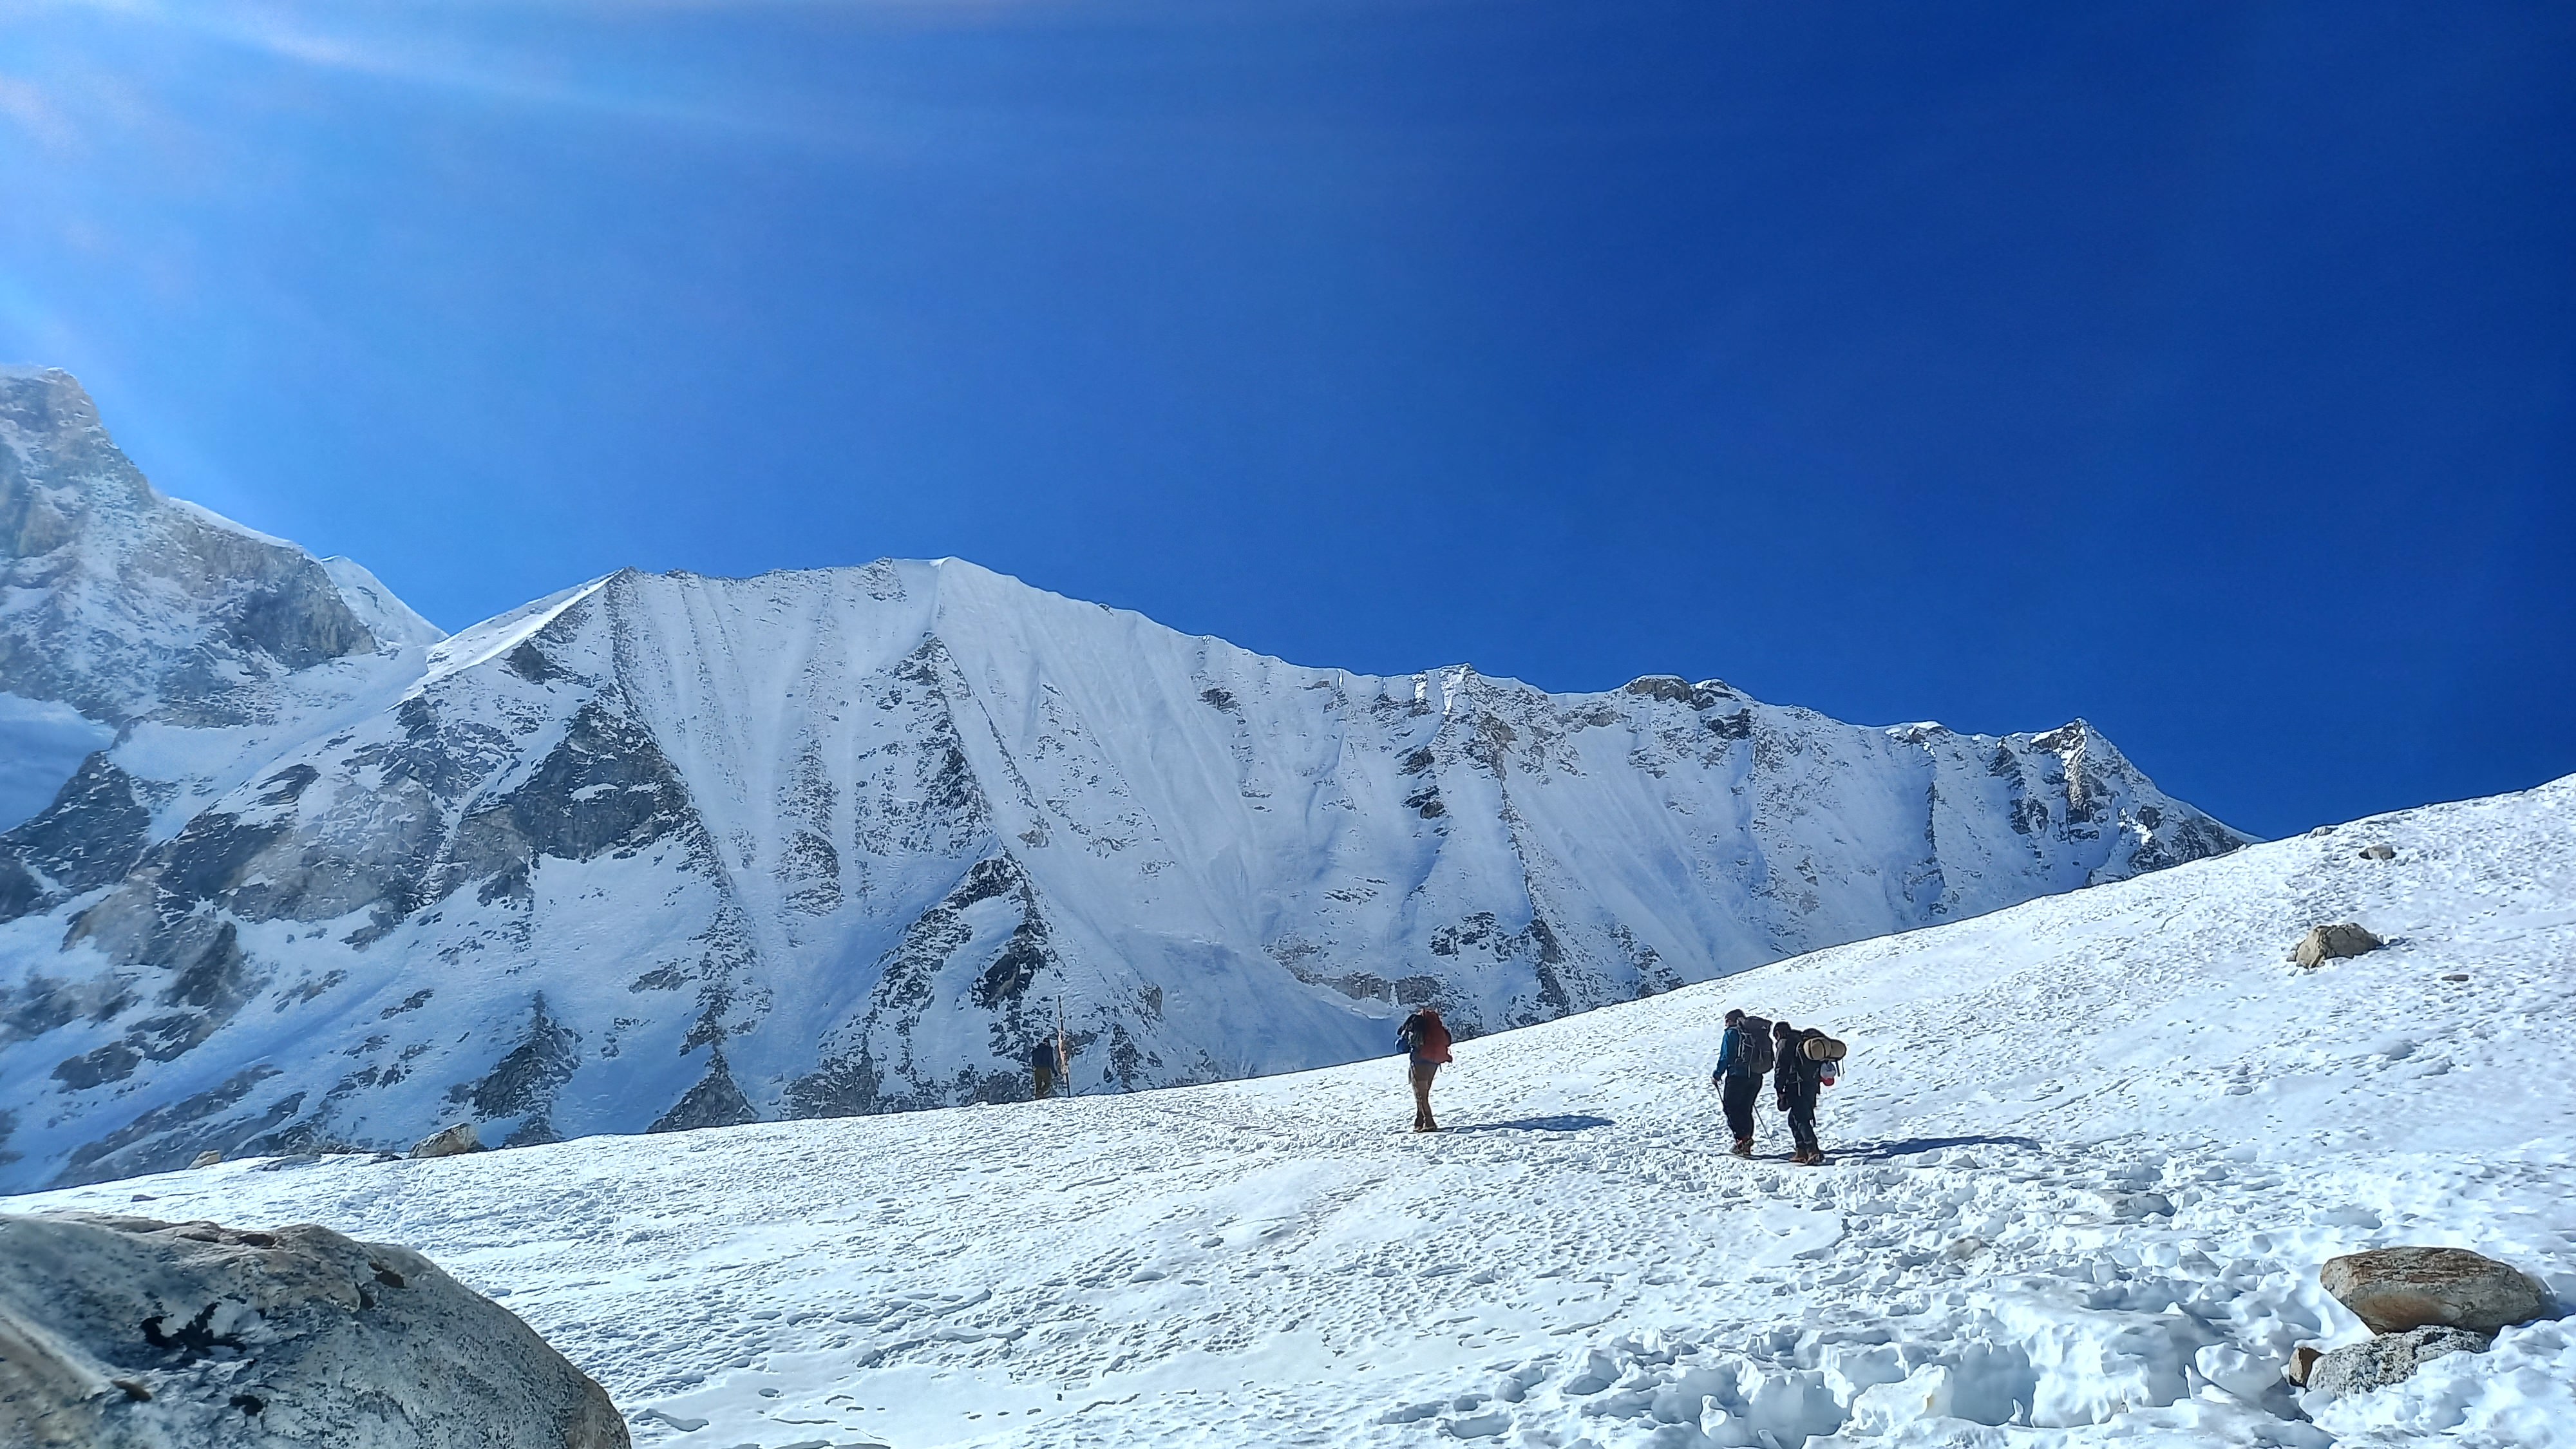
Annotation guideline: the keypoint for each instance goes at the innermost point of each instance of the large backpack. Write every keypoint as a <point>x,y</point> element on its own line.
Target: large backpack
<point>1759,1058</point>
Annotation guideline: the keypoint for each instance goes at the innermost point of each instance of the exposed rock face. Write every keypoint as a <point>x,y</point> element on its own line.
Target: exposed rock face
<point>124,1333</point>
<point>2391,1358</point>
<point>2394,1290</point>
<point>675,851</point>
<point>2331,943</point>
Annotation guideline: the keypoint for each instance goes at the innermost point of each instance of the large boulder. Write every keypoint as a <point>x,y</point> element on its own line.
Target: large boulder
<point>2359,1368</point>
<point>125,1333</point>
<point>2393,1290</point>
<point>2328,943</point>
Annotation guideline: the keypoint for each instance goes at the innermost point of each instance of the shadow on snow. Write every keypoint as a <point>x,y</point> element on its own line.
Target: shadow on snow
<point>1574,1123</point>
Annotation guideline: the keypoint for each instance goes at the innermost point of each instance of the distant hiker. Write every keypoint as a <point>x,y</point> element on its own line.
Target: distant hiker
<point>1798,1080</point>
<point>1744,1058</point>
<point>1043,1067</point>
<point>1426,1038</point>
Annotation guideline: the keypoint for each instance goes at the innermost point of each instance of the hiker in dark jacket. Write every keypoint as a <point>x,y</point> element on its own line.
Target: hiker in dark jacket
<point>1043,1068</point>
<point>1798,1082</point>
<point>1426,1039</point>
<point>1743,1057</point>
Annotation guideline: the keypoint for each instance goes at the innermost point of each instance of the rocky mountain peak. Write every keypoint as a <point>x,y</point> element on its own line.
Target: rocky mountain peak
<point>125,606</point>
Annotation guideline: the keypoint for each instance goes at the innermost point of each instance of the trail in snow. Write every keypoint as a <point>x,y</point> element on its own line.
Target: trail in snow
<point>2087,1161</point>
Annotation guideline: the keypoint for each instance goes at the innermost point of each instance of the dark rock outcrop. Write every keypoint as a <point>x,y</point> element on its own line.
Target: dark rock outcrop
<point>125,1333</point>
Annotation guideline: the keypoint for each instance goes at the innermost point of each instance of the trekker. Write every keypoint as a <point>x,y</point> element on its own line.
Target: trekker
<point>1743,1060</point>
<point>1798,1082</point>
<point>1043,1068</point>
<point>1426,1038</point>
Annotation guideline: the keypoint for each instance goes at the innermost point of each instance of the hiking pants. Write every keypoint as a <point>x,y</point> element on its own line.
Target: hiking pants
<point>1739,1094</point>
<point>1422,1074</point>
<point>1802,1120</point>
<point>1044,1085</point>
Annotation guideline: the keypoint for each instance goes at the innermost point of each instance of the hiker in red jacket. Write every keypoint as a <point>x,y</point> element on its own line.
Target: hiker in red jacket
<point>1426,1037</point>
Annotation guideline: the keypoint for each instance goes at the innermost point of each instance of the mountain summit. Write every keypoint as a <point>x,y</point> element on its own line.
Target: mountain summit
<point>669,851</point>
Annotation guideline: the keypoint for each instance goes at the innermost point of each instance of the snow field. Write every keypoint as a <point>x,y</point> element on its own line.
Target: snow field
<point>2088,1158</point>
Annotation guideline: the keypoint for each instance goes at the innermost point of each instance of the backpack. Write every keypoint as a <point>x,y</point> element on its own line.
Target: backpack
<point>1425,1035</point>
<point>1759,1057</point>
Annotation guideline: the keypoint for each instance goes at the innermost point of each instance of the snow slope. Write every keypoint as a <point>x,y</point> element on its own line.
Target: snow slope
<point>2089,1157</point>
<point>677,851</point>
<point>686,852</point>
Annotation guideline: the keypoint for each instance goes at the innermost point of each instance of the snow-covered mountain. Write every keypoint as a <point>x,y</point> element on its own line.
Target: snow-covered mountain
<point>120,608</point>
<point>678,851</point>
<point>2088,1157</point>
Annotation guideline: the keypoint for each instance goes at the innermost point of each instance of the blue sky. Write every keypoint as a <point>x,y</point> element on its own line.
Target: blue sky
<point>2205,371</point>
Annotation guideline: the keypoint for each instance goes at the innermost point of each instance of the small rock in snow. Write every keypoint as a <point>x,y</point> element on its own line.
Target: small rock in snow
<point>2327,943</point>
<point>2378,852</point>
<point>449,1143</point>
<point>2391,1358</point>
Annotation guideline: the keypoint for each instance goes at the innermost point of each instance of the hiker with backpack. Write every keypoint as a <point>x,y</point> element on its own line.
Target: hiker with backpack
<point>1806,1061</point>
<point>1425,1038</point>
<point>1044,1067</point>
<point>1744,1058</point>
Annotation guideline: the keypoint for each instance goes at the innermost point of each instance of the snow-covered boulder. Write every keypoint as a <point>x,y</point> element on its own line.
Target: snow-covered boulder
<point>2390,1358</point>
<point>2394,1290</point>
<point>126,1333</point>
<point>2333,943</point>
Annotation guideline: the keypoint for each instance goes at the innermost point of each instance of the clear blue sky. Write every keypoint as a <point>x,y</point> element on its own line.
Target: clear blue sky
<point>2208,371</point>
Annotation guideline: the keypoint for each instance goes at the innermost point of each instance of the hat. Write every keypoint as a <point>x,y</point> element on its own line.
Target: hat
<point>1782,1027</point>
<point>1734,1014</point>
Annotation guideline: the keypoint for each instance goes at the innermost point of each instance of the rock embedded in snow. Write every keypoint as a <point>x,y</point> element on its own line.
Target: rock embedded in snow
<point>2395,1290</point>
<point>2331,943</point>
<point>2378,851</point>
<point>2303,1361</point>
<point>127,1333</point>
<point>452,1142</point>
<point>205,1159</point>
<point>2387,1359</point>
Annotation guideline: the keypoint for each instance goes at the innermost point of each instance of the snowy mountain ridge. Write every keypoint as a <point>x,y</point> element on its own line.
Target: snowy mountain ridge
<point>670,851</point>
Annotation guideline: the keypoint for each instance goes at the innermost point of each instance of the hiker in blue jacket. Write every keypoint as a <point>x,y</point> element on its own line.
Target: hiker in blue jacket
<point>1743,1059</point>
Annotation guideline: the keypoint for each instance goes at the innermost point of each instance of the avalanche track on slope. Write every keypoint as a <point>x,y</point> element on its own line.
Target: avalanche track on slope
<point>2090,1155</point>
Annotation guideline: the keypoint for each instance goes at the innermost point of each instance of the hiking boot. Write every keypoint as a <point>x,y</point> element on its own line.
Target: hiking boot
<point>1744,1147</point>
